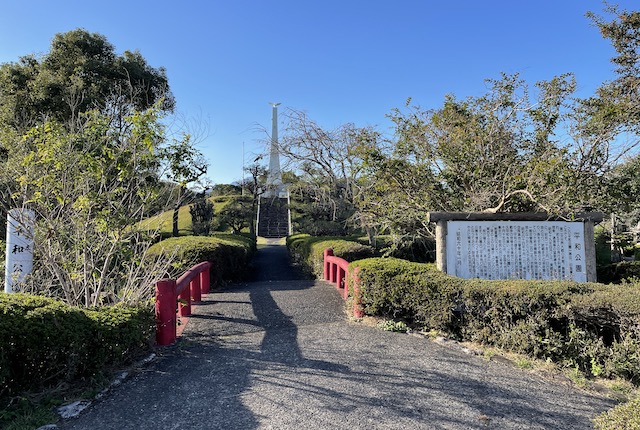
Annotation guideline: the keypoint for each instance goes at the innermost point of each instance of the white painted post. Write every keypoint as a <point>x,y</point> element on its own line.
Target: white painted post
<point>19,255</point>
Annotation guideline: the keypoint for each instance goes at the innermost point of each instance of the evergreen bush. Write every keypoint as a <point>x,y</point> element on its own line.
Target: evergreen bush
<point>619,272</point>
<point>45,342</point>
<point>230,254</point>
<point>592,327</point>
<point>308,251</point>
<point>202,214</point>
<point>622,417</point>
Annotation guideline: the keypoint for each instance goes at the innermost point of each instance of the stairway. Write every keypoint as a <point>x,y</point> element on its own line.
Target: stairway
<point>273,217</point>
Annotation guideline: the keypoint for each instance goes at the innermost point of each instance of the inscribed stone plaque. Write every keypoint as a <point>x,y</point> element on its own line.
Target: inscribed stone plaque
<point>516,250</point>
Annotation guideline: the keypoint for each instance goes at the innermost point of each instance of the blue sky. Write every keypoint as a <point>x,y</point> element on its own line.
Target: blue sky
<point>340,61</point>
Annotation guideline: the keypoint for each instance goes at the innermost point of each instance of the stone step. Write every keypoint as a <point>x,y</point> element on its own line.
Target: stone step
<point>274,218</point>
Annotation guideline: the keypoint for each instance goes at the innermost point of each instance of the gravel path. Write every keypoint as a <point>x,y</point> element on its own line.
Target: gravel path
<point>279,353</point>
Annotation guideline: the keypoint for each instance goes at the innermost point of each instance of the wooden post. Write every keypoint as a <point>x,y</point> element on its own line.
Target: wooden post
<point>590,251</point>
<point>358,312</point>
<point>184,308</point>
<point>441,245</point>
<point>165,312</point>
<point>327,253</point>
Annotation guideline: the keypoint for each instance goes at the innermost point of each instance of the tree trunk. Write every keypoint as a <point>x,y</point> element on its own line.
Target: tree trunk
<point>252,221</point>
<point>176,209</point>
<point>615,255</point>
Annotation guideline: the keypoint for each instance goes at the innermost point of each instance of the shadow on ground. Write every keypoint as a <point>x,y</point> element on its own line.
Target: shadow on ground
<point>279,353</point>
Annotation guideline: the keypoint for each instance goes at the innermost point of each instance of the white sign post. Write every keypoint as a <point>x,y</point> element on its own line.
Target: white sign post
<point>528,245</point>
<point>19,255</point>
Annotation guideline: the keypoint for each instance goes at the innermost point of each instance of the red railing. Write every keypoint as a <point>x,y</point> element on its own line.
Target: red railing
<point>336,271</point>
<point>172,294</point>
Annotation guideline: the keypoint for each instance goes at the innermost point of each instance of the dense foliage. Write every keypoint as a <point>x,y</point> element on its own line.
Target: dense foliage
<point>238,214</point>
<point>202,217</point>
<point>83,145</point>
<point>230,254</point>
<point>592,327</point>
<point>622,417</point>
<point>87,188</point>
<point>619,272</point>
<point>308,251</point>
<point>81,72</point>
<point>46,342</point>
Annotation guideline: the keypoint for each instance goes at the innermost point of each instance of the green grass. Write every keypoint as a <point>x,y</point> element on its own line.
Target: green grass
<point>26,414</point>
<point>164,222</point>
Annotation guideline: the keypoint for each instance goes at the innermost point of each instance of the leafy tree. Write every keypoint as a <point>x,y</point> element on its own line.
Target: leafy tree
<point>202,214</point>
<point>82,143</point>
<point>327,166</point>
<point>186,165</point>
<point>612,117</point>
<point>255,186</point>
<point>494,153</point>
<point>237,214</point>
<point>81,72</point>
<point>615,108</point>
<point>88,187</point>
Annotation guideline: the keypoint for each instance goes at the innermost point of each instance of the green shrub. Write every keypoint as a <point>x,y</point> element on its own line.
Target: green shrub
<point>44,342</point>
<point>623,417</point>
<point>416,293</point>
<point>230,254</point>
<point>611,317</point>
<point>308,251</point>
<point>592,327</point>
<point>619,272</point>
<point>202,214</point>
<point>418,250</point>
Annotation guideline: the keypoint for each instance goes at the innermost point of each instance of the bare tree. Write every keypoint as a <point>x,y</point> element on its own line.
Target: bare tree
<point>327,163</point>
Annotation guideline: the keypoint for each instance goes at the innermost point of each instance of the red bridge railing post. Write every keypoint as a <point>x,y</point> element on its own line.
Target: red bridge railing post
<point>205,280</point>
<point>327,253</point>
<point>165,312</point>
<point>340,276</point>
<point>184,302</point>
<point>333,272</point>
<point>196,293</point>
<point>345,283</point>
<point>358,312</point>
<point>171,293</point>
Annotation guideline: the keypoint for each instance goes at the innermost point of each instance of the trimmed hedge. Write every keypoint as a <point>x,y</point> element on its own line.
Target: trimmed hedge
<point>44,342</point>
<point>623,417</point>
<point>230,254</point>
<point>308,251</point>
<point>593,327</point>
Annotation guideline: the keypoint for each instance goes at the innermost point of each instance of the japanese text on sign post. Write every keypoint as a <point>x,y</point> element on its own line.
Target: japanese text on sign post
<point>516,250</point>
<point>19,253</point>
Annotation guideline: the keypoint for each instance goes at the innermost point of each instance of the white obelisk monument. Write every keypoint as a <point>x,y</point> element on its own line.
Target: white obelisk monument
<point>274,178</point>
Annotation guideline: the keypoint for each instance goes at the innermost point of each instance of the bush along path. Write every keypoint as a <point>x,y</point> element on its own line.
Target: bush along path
<point>281,353</point>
